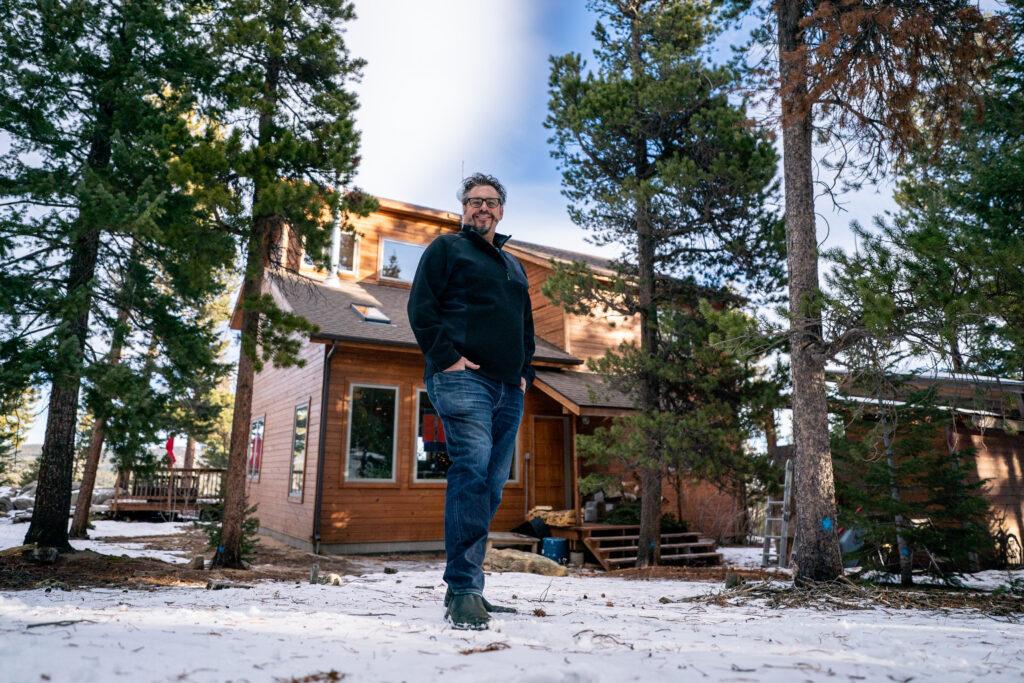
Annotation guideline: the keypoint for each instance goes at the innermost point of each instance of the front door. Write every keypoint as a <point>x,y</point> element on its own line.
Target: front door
<point>549,484</point>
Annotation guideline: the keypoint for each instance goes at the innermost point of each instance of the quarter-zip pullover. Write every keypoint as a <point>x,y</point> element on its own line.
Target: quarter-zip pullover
<point>470,298</point>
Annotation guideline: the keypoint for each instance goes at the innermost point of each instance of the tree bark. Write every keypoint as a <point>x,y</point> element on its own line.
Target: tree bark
<point>648,545</point>
<point>80,522</point>
<point>49,526</point>
<point>229,553</point>
<point>258,257</point>
<point>817,553</point>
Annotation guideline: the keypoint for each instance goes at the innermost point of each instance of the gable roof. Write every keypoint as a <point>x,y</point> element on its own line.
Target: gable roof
<point>329,307</point>
<point>598,263</point>
<point>583,392</point>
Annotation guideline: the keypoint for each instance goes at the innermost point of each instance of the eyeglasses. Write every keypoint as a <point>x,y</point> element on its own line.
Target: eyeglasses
<point>477,202</point>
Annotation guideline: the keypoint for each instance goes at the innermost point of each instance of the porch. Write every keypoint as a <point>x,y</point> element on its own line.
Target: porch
<point>173,491</point>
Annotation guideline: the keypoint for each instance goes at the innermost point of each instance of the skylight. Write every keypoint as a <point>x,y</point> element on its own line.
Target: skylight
<point>371,314</point>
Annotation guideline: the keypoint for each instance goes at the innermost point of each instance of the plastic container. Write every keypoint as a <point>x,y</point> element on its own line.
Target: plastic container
<point>556,549</point>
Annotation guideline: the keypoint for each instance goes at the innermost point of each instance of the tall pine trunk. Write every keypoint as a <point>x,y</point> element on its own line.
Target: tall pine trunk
<point>80,522</point>
<point>190,453</point>
<point>229,553</point>
<point>52,506</point>
<point>817,546</point>
<point>258,257</point>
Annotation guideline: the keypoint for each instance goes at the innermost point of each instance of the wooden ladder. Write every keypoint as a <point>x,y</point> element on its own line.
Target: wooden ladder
<point>615,546</point>
<point>776,524</point>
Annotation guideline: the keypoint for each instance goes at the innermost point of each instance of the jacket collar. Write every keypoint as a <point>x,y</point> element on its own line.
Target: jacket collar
<point>499,238</point>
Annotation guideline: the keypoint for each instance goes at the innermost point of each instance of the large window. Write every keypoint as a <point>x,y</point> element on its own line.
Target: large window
<point>398,260</point>
<point>373,411</point>
<point>255,459</point>
<point>432,459</point>
<point>298,460</point>
<point>431,451</point>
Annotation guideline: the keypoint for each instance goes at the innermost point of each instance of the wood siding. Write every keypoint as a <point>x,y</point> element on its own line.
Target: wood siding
<point>591,336</point>
<point>1000,460</point>
<point>404,510</point>
<point>276,392</point>
<point>548,319</point>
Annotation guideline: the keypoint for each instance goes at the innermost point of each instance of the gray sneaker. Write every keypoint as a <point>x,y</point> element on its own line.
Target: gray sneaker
<point>466,613</point>
<point>490,607</point>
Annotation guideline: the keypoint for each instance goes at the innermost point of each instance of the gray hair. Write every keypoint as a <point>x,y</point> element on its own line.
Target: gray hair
<point>476,180</point>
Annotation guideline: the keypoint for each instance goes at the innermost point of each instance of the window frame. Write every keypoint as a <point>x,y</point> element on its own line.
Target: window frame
<point>297,495</point>
<point>394,434</point>
<point>251,474</point>
<point>355,254</point>
<point>380,260</point>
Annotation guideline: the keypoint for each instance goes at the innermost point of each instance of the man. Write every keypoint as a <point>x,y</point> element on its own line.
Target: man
<point>470,311</point>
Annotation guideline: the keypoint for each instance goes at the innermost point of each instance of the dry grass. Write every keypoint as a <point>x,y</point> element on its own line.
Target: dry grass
<point>846,595</point>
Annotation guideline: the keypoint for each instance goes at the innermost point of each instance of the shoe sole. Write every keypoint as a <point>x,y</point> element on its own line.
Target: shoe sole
<point>467,626</point>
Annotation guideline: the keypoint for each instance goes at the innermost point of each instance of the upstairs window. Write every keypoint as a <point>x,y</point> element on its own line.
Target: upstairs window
<point>398,260</point>
<point>347,255</point>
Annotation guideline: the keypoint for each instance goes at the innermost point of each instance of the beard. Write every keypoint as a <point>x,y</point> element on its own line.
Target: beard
<point>479,229</point>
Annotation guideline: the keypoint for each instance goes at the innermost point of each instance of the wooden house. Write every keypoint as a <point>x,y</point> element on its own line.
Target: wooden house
<point>345,453</point>
<point>986,416</point>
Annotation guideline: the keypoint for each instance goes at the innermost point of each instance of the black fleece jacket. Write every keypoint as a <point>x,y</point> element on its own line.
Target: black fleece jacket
<point>471,299</point>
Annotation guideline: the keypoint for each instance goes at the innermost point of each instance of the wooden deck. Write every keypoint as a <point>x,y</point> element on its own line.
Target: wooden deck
<point>614,546</point>
<point>174,491</point>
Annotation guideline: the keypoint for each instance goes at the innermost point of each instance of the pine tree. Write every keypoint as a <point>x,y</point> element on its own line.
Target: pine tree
<point>291,148</point>
<point>656,159</point>
<point>872,79</point>
<point>95,102</point>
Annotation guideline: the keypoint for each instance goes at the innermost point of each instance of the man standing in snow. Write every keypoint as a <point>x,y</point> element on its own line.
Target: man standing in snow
<point>470,311</point>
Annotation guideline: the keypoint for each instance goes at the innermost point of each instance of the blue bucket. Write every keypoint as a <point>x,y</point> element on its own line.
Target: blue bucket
<point>556,549</point>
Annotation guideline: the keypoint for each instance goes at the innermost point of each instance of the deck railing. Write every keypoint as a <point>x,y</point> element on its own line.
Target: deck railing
<point>172,490</point>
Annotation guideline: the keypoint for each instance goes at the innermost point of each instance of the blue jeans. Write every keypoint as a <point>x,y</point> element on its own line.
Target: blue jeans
<point>481,417</point>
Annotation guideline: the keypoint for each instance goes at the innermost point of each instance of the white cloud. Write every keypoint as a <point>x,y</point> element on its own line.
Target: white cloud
<point>439,89</point>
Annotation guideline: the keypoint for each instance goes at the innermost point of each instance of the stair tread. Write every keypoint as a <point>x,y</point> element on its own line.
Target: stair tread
<point>684,556</point>
<point>633,548</point>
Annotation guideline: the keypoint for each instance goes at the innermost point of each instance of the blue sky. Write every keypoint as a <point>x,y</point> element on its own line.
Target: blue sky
<point>463,85</point>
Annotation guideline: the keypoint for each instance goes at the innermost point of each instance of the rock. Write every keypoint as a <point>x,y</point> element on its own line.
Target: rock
<point>45,555</point>
<point>510,560</point>
<point>20,516</point>
<point>218,584</point>
<point>5,504</point>
<point>28,489</point>
<point>198,562</point>
<point>390,570</point>
<point>23,503</point>
<point>733,580</point>
<point>100,496</point>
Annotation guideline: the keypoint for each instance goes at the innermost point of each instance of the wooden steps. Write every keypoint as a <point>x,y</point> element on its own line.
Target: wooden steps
<point>614,546</point>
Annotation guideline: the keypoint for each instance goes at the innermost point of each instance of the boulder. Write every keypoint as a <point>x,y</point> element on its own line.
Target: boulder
<point>510,560</point>
<point>28,489</point>
<point>5,504</point>
<point>20,516</point>
<point>100,496</point>
<point>23,503</point>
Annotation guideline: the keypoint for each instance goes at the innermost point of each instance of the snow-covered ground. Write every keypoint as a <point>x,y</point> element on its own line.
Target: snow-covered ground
<point>12,535</point>
<point>388,627</point>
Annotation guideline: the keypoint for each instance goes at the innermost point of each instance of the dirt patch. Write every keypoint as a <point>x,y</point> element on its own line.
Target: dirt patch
<point>274,561</point>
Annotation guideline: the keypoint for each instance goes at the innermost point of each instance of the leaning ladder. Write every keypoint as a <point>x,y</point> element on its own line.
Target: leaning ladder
<point>776,524</point>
